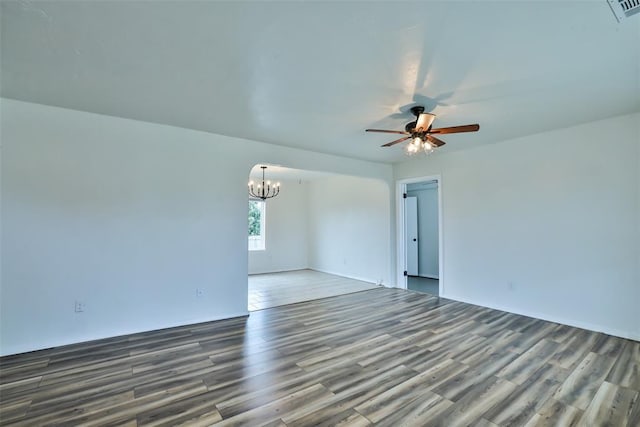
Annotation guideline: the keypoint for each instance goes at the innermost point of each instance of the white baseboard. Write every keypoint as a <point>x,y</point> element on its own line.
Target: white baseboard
<point>277,271</point>
<point>59,343</point>
<point>336,273</point>
<point>550,318</point>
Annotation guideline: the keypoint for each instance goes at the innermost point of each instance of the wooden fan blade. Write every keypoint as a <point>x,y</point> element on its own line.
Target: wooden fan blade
<point>457,129</point>
<point>397,141</point>
<point>386,131</point>
<point>437,142</point>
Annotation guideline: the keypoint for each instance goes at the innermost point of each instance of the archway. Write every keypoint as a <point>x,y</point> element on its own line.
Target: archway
<point>324,234</point>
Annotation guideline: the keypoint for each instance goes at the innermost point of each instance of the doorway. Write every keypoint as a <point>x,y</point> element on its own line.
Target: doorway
<point>420,235</point>
<point>324,234</point>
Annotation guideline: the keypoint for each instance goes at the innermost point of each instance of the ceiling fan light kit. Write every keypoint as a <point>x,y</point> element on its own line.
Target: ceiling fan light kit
<point>421,131</point>
<point>417,145</point>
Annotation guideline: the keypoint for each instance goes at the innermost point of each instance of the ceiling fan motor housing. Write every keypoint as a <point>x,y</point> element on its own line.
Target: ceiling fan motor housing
<point>410,127</point>
<point>417,111</point>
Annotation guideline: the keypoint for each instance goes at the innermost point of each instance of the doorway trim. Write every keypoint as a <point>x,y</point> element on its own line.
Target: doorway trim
<point>401,256</point>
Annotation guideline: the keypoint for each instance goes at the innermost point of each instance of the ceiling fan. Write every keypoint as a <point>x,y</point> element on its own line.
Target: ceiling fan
<point>421,132</point>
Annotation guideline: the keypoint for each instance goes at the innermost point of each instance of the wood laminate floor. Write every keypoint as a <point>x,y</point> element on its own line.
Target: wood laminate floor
<point>387,357</point>
<point>289,287</point>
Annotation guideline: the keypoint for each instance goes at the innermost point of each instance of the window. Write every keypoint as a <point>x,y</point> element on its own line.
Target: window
<point>256,225</point>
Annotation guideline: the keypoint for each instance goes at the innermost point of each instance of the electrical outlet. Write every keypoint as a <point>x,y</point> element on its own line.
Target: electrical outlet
<point>199,292</point>
<point>79,307</point>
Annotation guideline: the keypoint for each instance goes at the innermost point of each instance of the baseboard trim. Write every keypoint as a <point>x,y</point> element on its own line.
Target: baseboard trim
<point>61,343</point>
<point>335,273</point>
<point>278,271</point>
<point>550,318</point>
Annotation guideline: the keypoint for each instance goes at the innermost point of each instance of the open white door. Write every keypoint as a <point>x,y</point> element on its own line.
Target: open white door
<point>411,234</point>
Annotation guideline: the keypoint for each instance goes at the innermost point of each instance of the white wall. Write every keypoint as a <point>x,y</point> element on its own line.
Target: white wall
<point>286,231</point>
<point>128,217</point>
<point>427,228</point>
<point>349,220</point>
<point>557,214</point>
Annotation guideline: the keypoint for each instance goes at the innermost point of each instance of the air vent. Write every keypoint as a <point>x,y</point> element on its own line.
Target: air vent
<point>624,8</point>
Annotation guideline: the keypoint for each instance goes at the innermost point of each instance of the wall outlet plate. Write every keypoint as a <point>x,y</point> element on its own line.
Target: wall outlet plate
<point>79,307</point>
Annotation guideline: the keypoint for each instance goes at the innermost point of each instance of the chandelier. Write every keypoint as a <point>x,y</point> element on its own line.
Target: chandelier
<point>265,190</point>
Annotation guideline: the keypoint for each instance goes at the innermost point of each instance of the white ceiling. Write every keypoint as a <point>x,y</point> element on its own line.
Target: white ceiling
<point>279,173</point>
<point>314,75</point>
